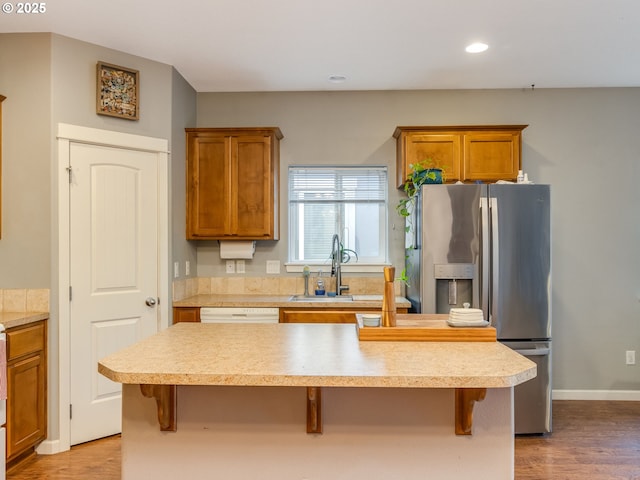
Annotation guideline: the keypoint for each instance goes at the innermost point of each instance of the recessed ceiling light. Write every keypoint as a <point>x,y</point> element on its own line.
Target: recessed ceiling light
<point>337,78</point>
<point>476,47</point>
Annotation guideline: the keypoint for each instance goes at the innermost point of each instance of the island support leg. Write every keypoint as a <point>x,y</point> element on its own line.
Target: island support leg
<point>314,410</point>
<point>166,402</point>
<point>465,401</point>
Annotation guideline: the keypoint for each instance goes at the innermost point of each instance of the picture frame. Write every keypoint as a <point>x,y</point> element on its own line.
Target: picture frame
<point>117,92</point>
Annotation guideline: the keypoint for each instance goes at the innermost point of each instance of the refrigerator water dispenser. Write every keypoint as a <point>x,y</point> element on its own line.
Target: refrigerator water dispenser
<point>454,285</point>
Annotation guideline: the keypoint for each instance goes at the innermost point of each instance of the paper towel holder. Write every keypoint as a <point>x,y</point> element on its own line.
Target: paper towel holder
<point>237,249</point>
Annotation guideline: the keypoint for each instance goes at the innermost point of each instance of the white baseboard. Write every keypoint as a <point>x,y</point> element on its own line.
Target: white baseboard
<point>631,395</point>
<point>49,447</point>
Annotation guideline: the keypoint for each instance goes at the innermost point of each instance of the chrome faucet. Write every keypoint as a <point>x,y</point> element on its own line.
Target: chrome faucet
<point>336,271</point>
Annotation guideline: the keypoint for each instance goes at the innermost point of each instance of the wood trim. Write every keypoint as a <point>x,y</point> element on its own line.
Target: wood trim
<point>314,410</point>
<point>166,401</point>
<point>456,128</point>
<point>466,399</point>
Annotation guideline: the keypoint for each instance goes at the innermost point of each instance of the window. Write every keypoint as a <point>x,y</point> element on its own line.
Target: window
<point>349,201</point>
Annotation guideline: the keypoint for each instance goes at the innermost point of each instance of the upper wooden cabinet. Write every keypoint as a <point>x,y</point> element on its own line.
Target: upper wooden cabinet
<point>232,183</point>
<point>466,153</point>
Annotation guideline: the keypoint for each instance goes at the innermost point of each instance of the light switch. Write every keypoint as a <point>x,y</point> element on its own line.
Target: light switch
<point>176,269</point>
<point>187,268</point>
<point>239,266</point>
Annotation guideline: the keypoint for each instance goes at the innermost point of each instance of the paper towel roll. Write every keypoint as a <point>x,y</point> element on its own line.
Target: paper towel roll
<point>237,249</point>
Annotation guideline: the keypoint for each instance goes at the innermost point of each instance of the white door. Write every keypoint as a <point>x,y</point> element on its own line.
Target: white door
<point>113,274</point>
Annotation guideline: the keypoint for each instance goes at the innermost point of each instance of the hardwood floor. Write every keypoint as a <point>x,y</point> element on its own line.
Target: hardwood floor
<point>99,460</point>
<point>596,440</point>
<point>591,440</point>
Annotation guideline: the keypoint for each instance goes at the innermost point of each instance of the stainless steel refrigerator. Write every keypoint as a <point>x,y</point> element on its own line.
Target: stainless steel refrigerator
<point>489,246</point>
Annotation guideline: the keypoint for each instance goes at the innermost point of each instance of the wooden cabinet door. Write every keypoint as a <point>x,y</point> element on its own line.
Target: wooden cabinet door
<point>440,150</point>
<point>208,186</point>
<point>26,415</point>
<point>186,314</point>
<point>491,156</point>
<point>317,316</point>
<point>252,205</point>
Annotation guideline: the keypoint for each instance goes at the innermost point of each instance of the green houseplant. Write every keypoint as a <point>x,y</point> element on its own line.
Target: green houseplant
<point>421,173</point>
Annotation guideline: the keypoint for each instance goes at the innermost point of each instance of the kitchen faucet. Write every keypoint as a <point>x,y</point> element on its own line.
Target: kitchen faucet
<point>336,254</point>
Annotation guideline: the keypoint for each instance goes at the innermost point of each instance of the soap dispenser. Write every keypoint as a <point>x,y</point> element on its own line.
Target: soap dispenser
<point>320,284</point>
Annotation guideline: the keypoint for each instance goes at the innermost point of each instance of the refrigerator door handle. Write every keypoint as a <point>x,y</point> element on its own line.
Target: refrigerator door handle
<point>495,264</point>
<point>534,352</point>
<point>484,215</point>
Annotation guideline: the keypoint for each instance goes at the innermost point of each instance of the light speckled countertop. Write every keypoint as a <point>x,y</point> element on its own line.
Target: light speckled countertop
<point>217,300</point>
<point>321,355</point>
<point>17,319</point>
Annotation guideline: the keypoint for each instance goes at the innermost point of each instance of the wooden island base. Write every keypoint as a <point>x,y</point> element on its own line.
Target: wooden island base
<point>239,432</point>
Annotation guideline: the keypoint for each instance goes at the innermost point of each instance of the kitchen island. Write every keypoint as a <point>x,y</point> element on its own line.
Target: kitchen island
<point>237,401</point>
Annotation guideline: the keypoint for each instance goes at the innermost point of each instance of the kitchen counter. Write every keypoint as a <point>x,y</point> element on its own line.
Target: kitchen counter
<point>231,401</point>
<point>17,319</point>
<point>279,301</point>
<point>296,355</point>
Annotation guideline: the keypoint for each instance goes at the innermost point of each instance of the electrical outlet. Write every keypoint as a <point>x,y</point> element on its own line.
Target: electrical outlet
<point>273,266</point>
<point>239,266</point>
<point>176,269</point>
<point>231,266</point>
<point>631,357</point>
<point>187,268</point>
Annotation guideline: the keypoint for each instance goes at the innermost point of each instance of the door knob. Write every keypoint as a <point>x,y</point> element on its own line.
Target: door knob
<point>150,301</point>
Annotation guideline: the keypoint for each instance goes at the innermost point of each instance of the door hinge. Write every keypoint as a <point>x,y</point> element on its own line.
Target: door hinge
<point>70,411</point>
<point>69,171</point>
<point>70,293</point>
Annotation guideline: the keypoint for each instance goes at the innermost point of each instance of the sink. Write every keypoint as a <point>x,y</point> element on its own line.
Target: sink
<point>321,299</point>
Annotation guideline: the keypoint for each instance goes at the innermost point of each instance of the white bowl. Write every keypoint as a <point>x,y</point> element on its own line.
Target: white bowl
<point>371,320</point>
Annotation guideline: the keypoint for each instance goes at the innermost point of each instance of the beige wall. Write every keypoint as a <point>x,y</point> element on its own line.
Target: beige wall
<point>584,142</point>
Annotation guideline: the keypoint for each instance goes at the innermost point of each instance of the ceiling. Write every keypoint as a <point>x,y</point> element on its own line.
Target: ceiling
<point>295,45</point>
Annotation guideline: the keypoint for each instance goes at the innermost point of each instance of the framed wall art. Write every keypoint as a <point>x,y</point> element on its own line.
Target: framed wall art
<point>117,92</point>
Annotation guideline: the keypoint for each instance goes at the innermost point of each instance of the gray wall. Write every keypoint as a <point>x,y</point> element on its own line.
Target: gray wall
<point>50,79</point>
<point>25,79</point>
<point>183,116</point>
<point>584,142</point>
<point>573,135</point>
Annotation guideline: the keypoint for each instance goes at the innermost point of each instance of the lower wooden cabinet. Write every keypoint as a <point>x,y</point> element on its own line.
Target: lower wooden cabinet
<point>26,390</point>
<point>324,315</point>
<point>293,314</point>
<point>186,314</point>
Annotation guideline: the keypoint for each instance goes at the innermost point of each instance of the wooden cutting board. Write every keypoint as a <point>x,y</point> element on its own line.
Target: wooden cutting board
<point>417,327</point>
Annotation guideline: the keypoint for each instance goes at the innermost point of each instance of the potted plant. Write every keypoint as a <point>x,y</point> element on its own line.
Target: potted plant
<point>421,173</point>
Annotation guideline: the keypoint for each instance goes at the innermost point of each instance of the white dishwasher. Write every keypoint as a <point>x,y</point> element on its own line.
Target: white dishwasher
<point>239,315</point>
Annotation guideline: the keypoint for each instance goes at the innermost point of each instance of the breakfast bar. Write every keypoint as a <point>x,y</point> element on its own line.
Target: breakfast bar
<point>313,401</point>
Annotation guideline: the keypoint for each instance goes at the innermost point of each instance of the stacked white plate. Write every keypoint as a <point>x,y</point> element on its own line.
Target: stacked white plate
<point>466,317</point>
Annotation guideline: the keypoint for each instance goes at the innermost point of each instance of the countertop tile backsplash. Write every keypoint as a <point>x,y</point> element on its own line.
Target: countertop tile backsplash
<point>274,286</point>
<point>24,300</point>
